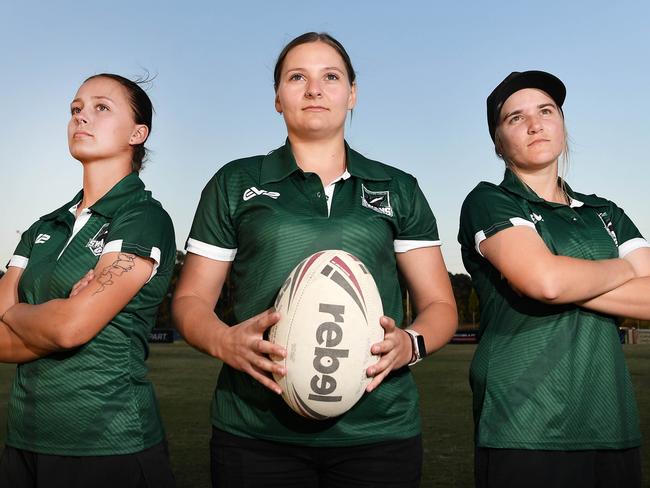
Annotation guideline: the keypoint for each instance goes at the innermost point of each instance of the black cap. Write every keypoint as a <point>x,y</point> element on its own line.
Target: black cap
<point>516,81</point>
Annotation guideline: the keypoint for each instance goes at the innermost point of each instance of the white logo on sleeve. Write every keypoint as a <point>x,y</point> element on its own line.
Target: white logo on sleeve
<point>42,238</point>
<point>536,218</point>
<point>253,192</point>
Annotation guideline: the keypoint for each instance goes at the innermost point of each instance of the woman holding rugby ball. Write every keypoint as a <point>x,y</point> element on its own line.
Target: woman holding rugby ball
<point>553,401</point>
<point>81,411</point>
<point>260,216</point>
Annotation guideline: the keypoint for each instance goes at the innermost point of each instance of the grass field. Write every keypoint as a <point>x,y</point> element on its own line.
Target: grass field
<point>185,380</point>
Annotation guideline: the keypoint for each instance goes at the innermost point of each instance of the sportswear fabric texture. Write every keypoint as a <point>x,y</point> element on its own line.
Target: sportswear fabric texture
<point>268,215</point>
<point>549,377</point>
<point>95,399</point>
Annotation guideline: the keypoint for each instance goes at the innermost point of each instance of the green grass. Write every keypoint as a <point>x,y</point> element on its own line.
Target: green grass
<point>185,380</point>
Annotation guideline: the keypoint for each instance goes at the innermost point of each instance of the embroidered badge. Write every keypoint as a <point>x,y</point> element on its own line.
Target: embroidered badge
<point>96,244</point>
<point>379,201</point>
<point>609,226</point>
<point>536,218</point>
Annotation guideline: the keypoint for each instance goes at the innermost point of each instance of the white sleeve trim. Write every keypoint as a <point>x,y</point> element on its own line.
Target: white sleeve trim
<point>478,238</point>
<point>406,245</point>
<point>209,251</point>
<point>155,255</point>
<point>18,261</point>
<point>632,245</point>
<point>116,246</point>
<point>113,246</point>
<point>515,221</point>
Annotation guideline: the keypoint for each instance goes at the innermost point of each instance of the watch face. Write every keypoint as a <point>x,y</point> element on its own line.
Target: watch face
<point>422,350</point>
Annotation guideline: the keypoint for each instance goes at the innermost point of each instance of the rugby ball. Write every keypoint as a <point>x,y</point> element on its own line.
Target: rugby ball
<point>329,309</point>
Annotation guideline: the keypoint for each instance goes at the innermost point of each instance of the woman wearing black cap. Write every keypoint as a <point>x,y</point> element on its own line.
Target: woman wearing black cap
<point>553,402</point>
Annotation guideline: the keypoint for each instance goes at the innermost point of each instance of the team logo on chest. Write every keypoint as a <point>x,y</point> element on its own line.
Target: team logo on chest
<point>609,227</point>
<point>379,201</point>
<point>536,218</point>
<point>96,244</point>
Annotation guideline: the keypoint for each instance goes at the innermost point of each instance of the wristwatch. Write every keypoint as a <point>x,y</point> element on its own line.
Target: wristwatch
<point>418,349</point>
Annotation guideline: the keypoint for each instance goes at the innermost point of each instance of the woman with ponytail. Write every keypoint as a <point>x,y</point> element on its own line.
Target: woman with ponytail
<point>76,306</point>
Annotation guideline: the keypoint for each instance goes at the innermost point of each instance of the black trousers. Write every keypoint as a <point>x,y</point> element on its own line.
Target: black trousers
<point>238,462</point>
<point>517,468</point>
<point>145,469</point>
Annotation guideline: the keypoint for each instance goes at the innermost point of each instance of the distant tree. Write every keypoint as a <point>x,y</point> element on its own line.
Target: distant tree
<point>462,286</point>
<point>164,319</point>
<point>223,309</point>
<point>473,307</point>
<point>466,299</point>
<point>634,323</point>
<point>225,305</point>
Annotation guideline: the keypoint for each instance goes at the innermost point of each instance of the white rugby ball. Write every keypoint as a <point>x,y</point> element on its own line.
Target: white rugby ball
<point>330,309</point>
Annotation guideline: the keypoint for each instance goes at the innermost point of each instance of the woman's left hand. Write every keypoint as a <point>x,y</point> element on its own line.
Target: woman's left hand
<point>394,352</point>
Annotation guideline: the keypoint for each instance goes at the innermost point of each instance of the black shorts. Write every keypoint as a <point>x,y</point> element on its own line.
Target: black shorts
<point>515,468</point>
<point>238,462</point>
<point>145,469</point>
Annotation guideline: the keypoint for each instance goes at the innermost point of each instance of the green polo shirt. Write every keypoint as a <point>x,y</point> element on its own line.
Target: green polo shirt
<point>547,376</point>
<point>266,215</point>
<point>95,399</point>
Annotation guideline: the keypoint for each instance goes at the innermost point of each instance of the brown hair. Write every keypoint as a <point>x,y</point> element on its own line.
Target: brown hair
<point>308,37</point>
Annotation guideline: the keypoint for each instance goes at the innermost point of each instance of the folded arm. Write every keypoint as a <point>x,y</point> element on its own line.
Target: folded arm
<point>632,299</point>
<point>13,349</point>
<point>70,322</point>
<point>523,259</point>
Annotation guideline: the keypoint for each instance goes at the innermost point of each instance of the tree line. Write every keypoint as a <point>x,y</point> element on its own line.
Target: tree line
<point>466,299</point>
<point>464,293</point>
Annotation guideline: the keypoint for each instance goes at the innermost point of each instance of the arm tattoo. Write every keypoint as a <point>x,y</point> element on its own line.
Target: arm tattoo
<point>123,264</point>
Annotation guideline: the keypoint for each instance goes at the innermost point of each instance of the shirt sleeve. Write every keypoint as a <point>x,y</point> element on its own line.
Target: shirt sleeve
<point>145,230</point>
<point>23,250</point>
<point>418,226</point>
<point>213,234</point>
<point>625,233</point>
<point>486,211</point>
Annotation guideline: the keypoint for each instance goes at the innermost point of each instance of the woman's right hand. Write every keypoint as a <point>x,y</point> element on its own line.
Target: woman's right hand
<point>241,346</point>
<point>244,348</point>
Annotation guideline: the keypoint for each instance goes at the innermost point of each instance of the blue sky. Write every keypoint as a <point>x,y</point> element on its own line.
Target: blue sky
<point>424,71</point>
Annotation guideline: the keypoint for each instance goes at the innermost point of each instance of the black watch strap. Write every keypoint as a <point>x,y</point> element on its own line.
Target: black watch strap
<point>419,350</point>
